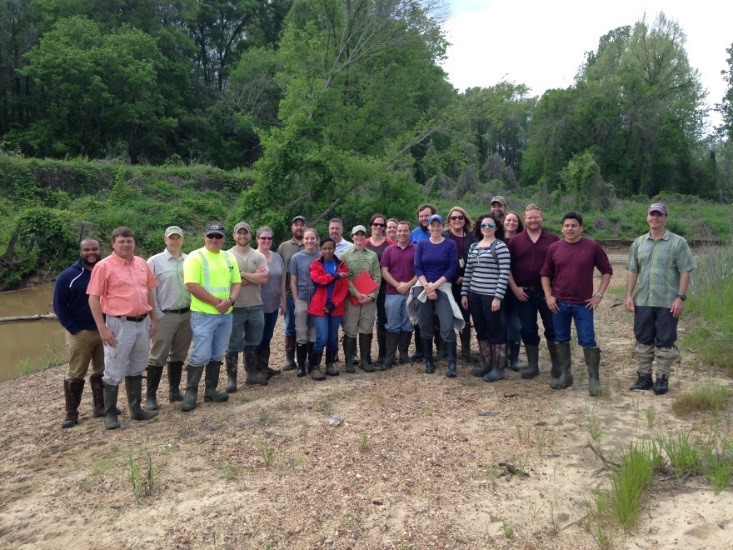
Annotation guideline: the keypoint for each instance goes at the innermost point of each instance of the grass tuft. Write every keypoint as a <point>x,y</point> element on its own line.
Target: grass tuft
<point>707,397</point>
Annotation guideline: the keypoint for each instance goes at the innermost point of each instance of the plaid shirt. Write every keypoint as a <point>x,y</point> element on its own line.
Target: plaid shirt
<point>659,264</point>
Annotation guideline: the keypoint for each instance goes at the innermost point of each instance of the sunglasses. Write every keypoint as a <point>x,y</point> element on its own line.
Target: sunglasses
<point>215,237</point>
<point>265,238</point>
<point>379,225</point>
<point>489,225</point>
<point>457,218</point>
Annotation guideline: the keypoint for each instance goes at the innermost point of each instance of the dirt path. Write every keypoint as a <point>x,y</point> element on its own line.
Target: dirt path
<point>418,461</point>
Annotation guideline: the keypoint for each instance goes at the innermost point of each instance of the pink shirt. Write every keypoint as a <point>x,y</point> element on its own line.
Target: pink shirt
<point>122,286</point>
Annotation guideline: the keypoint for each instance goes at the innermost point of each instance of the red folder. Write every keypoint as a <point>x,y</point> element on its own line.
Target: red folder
<point>364,284</point>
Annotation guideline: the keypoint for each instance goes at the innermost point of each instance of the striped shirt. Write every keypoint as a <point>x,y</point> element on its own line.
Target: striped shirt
<point>487,270</point>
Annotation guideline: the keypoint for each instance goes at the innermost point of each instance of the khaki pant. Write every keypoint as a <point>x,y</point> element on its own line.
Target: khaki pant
<point>359,319</point>
<point>304,330</point>
<point>172,339</point>
<point>84,347</point>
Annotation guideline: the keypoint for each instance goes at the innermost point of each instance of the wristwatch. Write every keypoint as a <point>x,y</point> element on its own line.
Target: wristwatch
<point>598,295</point>
<point>682,297</point>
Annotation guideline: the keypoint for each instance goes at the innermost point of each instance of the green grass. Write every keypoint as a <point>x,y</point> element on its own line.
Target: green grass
<point>630,481</point>
<point>707,397</point>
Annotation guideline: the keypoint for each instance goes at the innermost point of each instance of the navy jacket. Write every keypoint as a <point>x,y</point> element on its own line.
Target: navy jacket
<point>70,300</point>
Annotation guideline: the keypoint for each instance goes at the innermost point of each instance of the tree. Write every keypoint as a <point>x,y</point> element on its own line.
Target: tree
<point>725,108</point>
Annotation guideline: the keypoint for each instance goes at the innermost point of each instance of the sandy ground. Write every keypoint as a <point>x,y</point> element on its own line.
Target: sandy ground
<point>417,461</point>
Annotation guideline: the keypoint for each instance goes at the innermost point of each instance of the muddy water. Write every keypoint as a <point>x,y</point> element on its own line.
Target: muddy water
<point>29,344</point>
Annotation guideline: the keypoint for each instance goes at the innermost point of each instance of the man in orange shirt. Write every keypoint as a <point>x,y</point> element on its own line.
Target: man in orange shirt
<point>121,300</point>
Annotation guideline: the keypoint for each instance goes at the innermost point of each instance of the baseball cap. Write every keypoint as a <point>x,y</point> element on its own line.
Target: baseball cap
<point>658,207</point>
<point>436,217</point>
<point>215,228</point>
<point>499,199</point>
<point>173,230</point>
<point>242,225</point>
<point>358,228</point>
<point>299,218</point>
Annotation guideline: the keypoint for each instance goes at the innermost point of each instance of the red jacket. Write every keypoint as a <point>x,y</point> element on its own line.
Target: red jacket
<point>322,279</point>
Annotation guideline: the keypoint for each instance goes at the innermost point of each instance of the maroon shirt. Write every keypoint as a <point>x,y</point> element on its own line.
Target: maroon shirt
<point>528,257</point>
<point>569,266</point>
<point>400,262</point>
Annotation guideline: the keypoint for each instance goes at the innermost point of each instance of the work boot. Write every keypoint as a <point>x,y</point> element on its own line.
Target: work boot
<point>533,362</point>
<point>661,385</point>
<point>593,364</point>
<point>391,342</point>
<point>314,365</point>
<point>263,357</point>
<point>254,375</point>
<point>487,359</point>
<point>95,381</point>
<point>565,379</point>
<point>302,359</point>
<point>231,360</point>
<point>497,368</point>
<point>110,407</point>
<point>512,356</point>
<point>427,351</point>
<point>403,345</point>
<point>330,356</point>
<point>289,353</point>
<point>381,346</point>
<point>175,370</point>
<point>452,359</point>
<point>134,387</point>
<point>365,348</point>
<point>349,349</point>
<point>466,343</point>
<point>418,356</point>
<point>555,370</point>
<point>151,387</point>
<point>211,380</point>
<point>72,394</point>
<point>192,387</point>
<point>643,382</point>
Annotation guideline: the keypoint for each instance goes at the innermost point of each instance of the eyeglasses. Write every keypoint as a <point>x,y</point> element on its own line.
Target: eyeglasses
<point>489,225</point>
<point>265,238</point>
<point>379,225</point>
<point>457,218</point>
<point>215,237</point>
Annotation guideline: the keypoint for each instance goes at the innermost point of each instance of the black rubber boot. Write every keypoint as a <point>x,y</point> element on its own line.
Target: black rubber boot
<point>418,346</point>
<point>365,349</point>
<point>565,378</point>
<point>661,385</point>
<point>134,387</point>
<point>330,359</point>
<point>95,381</point>
<point>175,371</point>
<point>192,387</point>
<point>512,356</point>
<point>497,367</point>
<point>593,364</point>
<point>110,407</point>
<point>302,359</point>
<point>404,347</point>
<point>254,376</point>
<point>391,342</point>
<point>211,381</point>
<point>263,357</point>
<point>555,369</point>
<point>314,365</point>
<point>151,387</point>
<point>441,351</point>
<point>452,359</point>
<point>289,353</point>
<point>427,351</point>
<point>643,382</point>
<point>72,395</point>
<point>349,349</point>
<point>381,347</point>
<point>231,360</point>
<point>466,343</point>
<point>487,359</point>
<point>533,362</point>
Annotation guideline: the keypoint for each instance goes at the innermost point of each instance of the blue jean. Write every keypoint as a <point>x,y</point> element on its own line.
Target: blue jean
<point>268,330</point>
<point>289,324</point>
<point>247,326</point>
<point>327,332</point>
<point>210,337</point>
<point>397,320</point>
<point>655,326</point>
<point>528,316</point>
<point>583,318</point>
<point>511,317</point>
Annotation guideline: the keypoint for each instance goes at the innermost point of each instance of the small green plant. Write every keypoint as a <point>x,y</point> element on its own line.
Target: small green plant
<point>707,397</point>
<point>228,472</point>
<point>718,466</point>
<point>24,367</point>
<point>594,426</point>
<point>143,482</point>
<point>651,415</point>
<point>364,443</point>
<point>508,529</point>
<point>630,481</point>
<point>684,453</point>
<point>268,454</point>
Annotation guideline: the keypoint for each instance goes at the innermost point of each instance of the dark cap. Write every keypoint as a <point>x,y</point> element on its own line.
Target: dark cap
<point>499,199</point>
<point>299,219</point>
<point>436,218</point>
<point>658,207</point>
<point>215,228</point>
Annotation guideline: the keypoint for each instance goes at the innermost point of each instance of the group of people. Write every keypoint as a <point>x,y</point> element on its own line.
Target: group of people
<point>126,316</point>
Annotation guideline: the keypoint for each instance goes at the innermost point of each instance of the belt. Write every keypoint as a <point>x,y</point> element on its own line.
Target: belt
<point>128,318</point>
<point>182,310</point>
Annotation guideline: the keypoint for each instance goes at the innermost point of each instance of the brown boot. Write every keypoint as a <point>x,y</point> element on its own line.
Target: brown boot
<point>95,381</point>
<point>72,393</point>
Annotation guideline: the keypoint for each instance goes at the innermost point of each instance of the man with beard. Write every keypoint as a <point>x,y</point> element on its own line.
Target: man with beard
<point>498,207</point>
<point>71,304</point>
<point>286,250</point>
<point>421,232</point>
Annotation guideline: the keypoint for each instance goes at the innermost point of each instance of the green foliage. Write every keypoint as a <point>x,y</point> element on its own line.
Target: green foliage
<point>630,482</point>
<point>583,184</point>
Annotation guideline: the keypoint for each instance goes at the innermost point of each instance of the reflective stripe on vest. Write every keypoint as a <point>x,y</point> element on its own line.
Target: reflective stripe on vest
<point>214,290</point>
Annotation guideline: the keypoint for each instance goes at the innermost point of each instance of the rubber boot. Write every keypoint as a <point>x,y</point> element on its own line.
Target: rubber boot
<point>211,380</point>
<point>466,343</point>
<point>427,351</point>
<point>555,370</point>
<point>151,387</point>
<point>441,350</point>
<point>391,342</point>
<point>95,381</point>
<point>289,353</point>
<point>565,379</point>
<point>255,377</point>
<point>403,345</point>
<point>365,348</point>
<point>330,359</point>
<point>381,346</point>
<point>72,395</point>
<point>418,356</point>
<point>110,407</point>
<point>192,387</point>
<point>593,364</point>
<point>175,370</point>
<point>231,360</point>
<point>302,358</point>
<point>314,365</point>
<point>644,355</point>
<point>512,356</point>
<point>263,357</point>
<point>487,359</point>
<point>451,349</point>
<point>497,367</point>
<point>533,362</point>
<point>349,349</point>
<point>665,358</point>
<point>134,387</point>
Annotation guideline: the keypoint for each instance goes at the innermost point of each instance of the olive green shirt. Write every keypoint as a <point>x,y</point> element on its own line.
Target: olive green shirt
<point>358,261</point>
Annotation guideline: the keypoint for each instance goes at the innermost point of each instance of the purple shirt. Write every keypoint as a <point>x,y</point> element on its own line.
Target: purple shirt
<point>400,262</point>
<point>529,257</point>
<point>569,266</point>
<point>434,261</point>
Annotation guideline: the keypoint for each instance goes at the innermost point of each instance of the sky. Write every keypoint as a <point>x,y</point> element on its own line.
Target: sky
<point>542,44</point>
